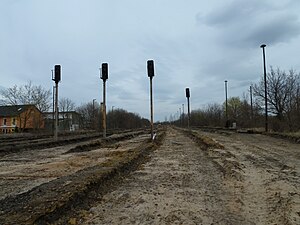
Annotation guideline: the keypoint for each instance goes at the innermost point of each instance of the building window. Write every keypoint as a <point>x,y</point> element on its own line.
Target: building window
<point>4,122</point>
<point>14,121</point>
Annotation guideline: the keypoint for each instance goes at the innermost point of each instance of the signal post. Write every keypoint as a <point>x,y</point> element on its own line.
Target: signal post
<point>150,69</point>
<point>188,95</point>
<point>104,77</point>
<point>56,79</point>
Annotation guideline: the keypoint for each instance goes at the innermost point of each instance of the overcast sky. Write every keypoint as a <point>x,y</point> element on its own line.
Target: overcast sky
<point>194,43</point>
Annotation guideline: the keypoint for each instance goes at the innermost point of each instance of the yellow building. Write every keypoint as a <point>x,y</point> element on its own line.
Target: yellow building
<point>20,118</point>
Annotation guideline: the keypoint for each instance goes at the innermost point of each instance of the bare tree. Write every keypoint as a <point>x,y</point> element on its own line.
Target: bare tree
<point>27,94</point>
<point>282,94</point>
<point>90,115</point>
<point>66,105</point>
<point>116,119</point>
<point>210,115</point>
<point>121,119</point>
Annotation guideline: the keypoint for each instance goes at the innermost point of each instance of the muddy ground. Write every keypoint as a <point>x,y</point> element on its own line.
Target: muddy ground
<point>184,178</point>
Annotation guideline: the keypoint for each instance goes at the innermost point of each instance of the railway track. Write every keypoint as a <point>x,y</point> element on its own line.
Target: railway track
<point>10,145</point>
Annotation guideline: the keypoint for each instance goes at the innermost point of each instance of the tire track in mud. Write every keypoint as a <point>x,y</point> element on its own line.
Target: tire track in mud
<point>180,184</point>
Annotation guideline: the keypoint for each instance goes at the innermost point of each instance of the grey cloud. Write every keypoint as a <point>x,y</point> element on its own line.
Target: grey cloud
<point>280,29</point>
<point>234,13</point>
<point>36,35</point>
<point>249,23</point>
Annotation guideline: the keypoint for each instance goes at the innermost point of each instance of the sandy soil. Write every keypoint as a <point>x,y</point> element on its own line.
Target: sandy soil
<point>268,184</point>
<point>22,171</point>
<point>193,177</point>
<point>242,179</point>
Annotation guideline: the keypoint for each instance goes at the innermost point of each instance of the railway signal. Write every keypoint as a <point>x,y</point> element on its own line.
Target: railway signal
<point>56,78</point>
<point>104,77</point>
<point>188,95</point>
<point>150,69</point>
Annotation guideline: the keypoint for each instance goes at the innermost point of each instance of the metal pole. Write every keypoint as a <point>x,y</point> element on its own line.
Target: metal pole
<point>183,115</point>
<point>265,81</point>
<point>53,109</point>
<point>53,106</point>
<point>226,104</point>
<point>100,115</point>
<point>180,119</point>
<point>56,111</point>
<point>104,109</point>
<point>298,98</point>
<point>251,102</point>
<point>189,115</point>
<point>151,107</point>
<point>94,118</point>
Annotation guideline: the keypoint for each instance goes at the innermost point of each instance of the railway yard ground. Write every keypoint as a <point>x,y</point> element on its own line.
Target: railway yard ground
<point>216,177</point>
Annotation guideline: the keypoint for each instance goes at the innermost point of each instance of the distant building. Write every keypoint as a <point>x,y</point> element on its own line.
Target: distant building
<point>16,118</point>
<point>67,121</point>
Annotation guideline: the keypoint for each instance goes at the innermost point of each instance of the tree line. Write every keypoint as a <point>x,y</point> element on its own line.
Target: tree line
<point>90,114</point>
<point>283,100</point>
<point>91,118</point>
<point>283,104</point>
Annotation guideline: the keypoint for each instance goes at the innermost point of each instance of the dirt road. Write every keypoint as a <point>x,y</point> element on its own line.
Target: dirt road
<point>228,179</point>
<point>196,177</point>
<point>267,172</point>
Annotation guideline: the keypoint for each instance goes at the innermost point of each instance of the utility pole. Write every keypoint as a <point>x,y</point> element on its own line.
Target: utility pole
<point>187,94</point>
<point>150,70</point>
<point>104,77</point>
<point>56,79</point>
<point>180,119</point>
<point>251,102</point>
<point>94,118</point>
<point>53,105</point>
<point>183,115</point>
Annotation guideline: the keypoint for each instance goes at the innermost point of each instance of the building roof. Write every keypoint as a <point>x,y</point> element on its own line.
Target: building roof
<point>13,110</point>
<point>67,112</point>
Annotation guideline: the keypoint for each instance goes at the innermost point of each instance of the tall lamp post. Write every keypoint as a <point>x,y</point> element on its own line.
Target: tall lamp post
<point>265,81</point>
<point>226,105</point>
